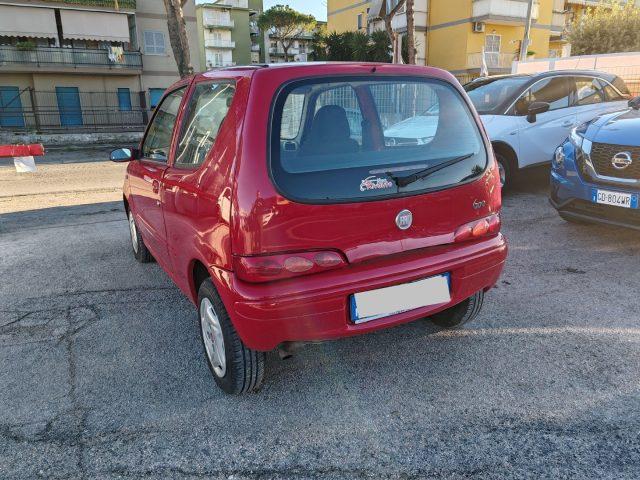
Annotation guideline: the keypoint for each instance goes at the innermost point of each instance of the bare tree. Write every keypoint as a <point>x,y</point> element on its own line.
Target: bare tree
<point>411,41</point>
<point>178,36</point>
<point>387,15</point>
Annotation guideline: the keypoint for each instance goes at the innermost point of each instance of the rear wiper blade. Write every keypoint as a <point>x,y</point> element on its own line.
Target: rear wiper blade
<point>414,177</point>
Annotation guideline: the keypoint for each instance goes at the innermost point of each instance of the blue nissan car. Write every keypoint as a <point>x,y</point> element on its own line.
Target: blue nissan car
<point>595,175</point>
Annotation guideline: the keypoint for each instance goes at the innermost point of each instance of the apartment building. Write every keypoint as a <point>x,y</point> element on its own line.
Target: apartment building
<point>228,32</point>
<point>452,34</point>
<point>301,49</point>
<point>71,64</point>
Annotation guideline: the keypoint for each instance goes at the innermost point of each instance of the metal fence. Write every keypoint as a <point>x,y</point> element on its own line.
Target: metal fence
<point>66,109</point>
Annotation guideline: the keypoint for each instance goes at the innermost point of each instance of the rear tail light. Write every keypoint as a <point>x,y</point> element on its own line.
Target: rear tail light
<point>265,268</point>
<point>484,227</point>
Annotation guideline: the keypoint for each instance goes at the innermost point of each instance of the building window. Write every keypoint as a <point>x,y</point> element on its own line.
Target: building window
<point>359,21</point>
<point>492,43</point>
<point>154,43</point>
<point>124,100</point>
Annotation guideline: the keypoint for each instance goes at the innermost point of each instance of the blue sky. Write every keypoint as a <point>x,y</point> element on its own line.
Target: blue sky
<point>317,8</point>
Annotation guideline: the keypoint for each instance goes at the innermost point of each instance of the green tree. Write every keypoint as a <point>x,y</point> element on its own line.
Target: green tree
<point>358,44</point>
<point>285,24</point>
<point>380,47</point>
<point>338,48</point>
<point>607,28</point>
<point>319,43</point>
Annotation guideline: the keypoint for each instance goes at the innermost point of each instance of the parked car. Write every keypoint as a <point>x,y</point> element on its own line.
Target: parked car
<point>596,172</point>
<point>528,116</point>
<point>284,222</point>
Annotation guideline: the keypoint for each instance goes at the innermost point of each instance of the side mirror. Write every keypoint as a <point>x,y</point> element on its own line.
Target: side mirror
<point>123,155</point>
<point>535,109</point>
<point>634,103</point>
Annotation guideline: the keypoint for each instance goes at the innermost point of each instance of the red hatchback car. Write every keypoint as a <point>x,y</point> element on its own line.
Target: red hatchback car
<point>306,202</point>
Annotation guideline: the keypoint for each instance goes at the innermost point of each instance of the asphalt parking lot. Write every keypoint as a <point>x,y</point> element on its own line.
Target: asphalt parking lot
<point>102,374</point>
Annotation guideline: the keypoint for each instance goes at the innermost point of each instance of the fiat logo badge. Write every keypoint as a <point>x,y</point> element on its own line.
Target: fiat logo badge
<point>404,219</point>
<point>621,160</point>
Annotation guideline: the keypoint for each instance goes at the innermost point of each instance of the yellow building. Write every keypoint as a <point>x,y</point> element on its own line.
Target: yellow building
<point>347,15</point>
<point>451,34</point>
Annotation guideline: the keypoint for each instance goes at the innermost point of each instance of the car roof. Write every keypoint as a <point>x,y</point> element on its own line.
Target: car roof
<point>550,73</point>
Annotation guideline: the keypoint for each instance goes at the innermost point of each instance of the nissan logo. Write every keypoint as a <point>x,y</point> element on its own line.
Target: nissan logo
<point>404,219</point>
<point>621,160</point>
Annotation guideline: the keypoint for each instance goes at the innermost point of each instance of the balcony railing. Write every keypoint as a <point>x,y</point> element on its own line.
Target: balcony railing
<point>215,43</point>
<point>494,60</point>
<point>219,23</point>
<point>233,3</point>
<point>220,64</point>
<point>502,11</point>
<point>69,57</point>
<point>121,4</point>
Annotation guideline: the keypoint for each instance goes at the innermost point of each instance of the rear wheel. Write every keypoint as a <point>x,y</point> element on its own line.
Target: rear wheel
<point>460,314</point>
<point>235,368</point>
<point>140,250</point>
<point>504,169</point>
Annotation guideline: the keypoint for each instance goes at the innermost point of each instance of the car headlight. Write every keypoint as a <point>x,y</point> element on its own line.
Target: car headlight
<point>576,137</point>
<point>558,158</point>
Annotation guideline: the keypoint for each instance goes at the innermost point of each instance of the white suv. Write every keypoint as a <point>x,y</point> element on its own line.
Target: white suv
<point>528,116</point>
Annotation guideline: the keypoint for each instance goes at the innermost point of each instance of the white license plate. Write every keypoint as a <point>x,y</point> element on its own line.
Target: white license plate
<point>374,304</point>
<point>618,199</point>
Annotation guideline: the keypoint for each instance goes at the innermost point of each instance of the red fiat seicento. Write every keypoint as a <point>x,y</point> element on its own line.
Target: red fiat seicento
<point>306,202</point>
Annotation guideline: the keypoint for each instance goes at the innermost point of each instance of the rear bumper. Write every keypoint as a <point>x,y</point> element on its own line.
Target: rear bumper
<point>316,307</point>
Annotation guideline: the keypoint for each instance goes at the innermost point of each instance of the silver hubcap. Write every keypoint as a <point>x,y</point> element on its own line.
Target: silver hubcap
<point>502,173</point>
<point>134,232</point>
<point>213,339</point>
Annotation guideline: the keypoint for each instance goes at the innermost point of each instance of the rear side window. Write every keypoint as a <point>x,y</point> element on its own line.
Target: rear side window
<point>207,109</point>
<point>621,86</point>
<point>588,91</point>
<point>553,90</point>
<point>358,138</point>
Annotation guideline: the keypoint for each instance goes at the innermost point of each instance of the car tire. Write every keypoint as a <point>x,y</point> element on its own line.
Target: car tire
<point>140,250</point>
<point>461,313</point>
<point>236,368</point>
<point>504,170</point>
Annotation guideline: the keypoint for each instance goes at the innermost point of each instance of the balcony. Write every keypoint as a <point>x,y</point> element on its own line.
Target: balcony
<point>495,61</point>
<point>217,43</point>
<point>506,12</point>
<point>211,64</point>
<point>232,3</point>
<point>227,23</point>
<point>55,58</point>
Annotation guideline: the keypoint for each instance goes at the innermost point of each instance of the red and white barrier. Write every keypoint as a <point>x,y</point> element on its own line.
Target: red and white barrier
<point>22,155</point>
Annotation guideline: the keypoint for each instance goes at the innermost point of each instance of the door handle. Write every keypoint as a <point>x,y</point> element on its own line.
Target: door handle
<point>155,185</point>
<point>567,124</point>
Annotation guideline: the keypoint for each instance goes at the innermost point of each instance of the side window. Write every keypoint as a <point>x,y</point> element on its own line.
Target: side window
<point>588,91</point>
<point>292,116</point>
<point>158,139</point>
<point>621,86</point>
<point>554,91</point>
<point>208,107</point>
<point>610,93</point>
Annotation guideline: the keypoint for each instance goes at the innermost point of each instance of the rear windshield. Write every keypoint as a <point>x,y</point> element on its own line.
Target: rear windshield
<point>363,139</point>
